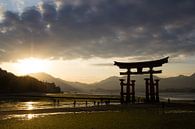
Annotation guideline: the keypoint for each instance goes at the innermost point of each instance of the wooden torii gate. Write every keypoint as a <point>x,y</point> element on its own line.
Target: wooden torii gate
<point>152,86</point>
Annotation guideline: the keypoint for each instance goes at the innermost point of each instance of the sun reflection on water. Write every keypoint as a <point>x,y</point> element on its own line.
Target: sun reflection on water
<point>33,116</point>
<point>30,116</point>
<point>29,105</point>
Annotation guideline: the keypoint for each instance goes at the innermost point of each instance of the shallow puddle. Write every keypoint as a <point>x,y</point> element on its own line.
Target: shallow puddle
<point>32,116</point>
<point>33,105</point>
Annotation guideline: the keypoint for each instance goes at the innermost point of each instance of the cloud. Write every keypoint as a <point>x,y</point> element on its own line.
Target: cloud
<point>19,5</point>
<point>103,64</point>
<point>71,29</point>
<point>1,13</point>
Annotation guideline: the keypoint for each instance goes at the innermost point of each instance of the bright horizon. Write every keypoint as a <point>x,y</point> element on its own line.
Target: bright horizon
<point>85,71</point>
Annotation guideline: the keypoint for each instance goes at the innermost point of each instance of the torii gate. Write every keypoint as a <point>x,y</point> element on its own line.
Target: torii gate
<point>152,86</point>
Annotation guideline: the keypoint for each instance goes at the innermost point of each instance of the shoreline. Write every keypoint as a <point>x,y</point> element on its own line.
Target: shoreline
<point>53,110</point>
<point>163,105</point>
<point>132,116</point>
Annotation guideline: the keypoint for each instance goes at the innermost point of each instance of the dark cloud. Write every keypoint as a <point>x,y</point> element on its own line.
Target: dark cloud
<point>103,28</point>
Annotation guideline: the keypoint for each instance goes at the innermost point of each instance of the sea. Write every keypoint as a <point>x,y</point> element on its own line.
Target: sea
<point>6,105</point>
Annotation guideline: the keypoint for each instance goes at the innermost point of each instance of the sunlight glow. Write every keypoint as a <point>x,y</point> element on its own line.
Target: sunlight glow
<point>31,65</point>
<point>58,4</point>
<point>30,116</point>
<point>29,105</point>
<point>1,13</point>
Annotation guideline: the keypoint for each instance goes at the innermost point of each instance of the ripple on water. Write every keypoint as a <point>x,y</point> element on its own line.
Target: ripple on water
<point>32,116</point>
<point>32,105</point>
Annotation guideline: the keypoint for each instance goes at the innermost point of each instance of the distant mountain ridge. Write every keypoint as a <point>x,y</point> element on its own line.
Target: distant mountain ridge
<point>65,86</point>
<point>10,83</point>
<point>111,84</point>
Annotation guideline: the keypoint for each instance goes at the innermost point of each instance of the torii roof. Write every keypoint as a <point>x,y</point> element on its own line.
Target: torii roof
<point>145,64</point>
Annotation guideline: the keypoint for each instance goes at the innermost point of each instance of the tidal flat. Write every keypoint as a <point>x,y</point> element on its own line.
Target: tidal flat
<point>176,116</point>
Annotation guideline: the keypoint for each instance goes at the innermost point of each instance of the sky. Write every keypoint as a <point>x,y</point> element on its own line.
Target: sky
<point>78,40</point>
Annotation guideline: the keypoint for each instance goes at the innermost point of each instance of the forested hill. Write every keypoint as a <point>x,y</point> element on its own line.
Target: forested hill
<point>10,83</point>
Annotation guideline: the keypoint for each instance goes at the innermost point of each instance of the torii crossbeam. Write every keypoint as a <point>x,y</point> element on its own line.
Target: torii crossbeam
<point>152,90</point>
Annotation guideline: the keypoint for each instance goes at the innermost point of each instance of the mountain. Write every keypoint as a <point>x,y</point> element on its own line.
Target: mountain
<point>64,85</point>
<point>179,83</point>
<point>112,85</point>
<point>10,83</point>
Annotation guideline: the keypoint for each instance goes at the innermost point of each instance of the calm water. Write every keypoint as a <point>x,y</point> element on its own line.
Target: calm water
<point>173,95</point>
<point>32,105</point>
<point>178,96</point>
<point>32,116</point>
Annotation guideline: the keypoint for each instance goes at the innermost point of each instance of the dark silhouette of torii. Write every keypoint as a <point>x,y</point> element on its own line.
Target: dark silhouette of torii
<point>152,86</point>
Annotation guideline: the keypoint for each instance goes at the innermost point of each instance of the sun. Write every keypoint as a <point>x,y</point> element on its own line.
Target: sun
<point>31,65</point>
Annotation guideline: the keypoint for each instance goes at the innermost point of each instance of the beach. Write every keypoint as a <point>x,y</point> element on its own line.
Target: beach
<point>133,116</point>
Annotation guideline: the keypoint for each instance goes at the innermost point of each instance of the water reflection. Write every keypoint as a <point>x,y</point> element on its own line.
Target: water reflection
<point>20,116</point>
<point>33,105</point>
<point>30,116</point>
<point>29,105</point>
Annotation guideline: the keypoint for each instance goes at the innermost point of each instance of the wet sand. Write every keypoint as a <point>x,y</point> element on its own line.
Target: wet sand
<point>133,116</point>
<point>159,106</point>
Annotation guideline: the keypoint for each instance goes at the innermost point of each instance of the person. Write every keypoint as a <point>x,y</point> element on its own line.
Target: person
<point>54,102</point>
<point>169,101</point>
<point>138,99</point>
<point>58,102</point>
<point>98,103</point>
<point>86,103</point>
<point>74,103</point>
